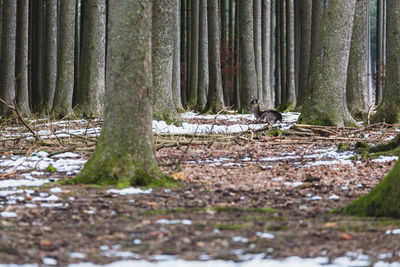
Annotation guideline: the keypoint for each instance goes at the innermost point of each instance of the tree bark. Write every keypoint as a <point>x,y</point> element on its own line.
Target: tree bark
<point>124,152</point>
<point>62,105</point>
<point>194,55</point>
<point>257,10</point>
<point>282,36</point>
<point>176,68</point>
<point>290,57</point>
<point>266,55</point>
<point>278,47</point>
<point>248,78</point>
<point>215,99</point>
<point>305,49</point>
<point>328,71</point>
<point>91,84</point>
<point>389,109</point>
<point>224,51</point>
<point>162,57</point>
<point>51,55</point>
<point>7,58</point>
<point>379,52</point>
<point>21,57</point>
<point>203,80</point>
<point>358,86</point>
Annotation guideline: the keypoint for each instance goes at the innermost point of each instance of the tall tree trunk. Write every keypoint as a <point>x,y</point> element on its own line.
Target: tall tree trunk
<point>257,49</point>
<point>236,59</point>
<point>162,58</point>
<point>282,18</point>
<point>215,99</point>
<point>79,10</point>
<point>328,72</point>
<point>91,84</point>
<point>358,86</point>
<point>176,68</point>
<point>183,49</point>
<point>51,55</point>
<point>305,49</point>
<point>379,52</point>
<point>290,57</point>
<point>203,57</point>
<point>389,109</point>
<point>231,52</point>
<point>278,48</point>
<point>21,60</point>
<point>266,55</point>
<point>38,55</point>
<point>7,58</point>
<point>248,77</point>
<point>62,104</point>
<point>224,51</point>
<point>124,153</point>
<point>316,20</point>
<point>1,21</point>
<point>194,54</point>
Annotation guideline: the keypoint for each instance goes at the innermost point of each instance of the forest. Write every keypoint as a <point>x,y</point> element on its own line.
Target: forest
<point>199,133</point>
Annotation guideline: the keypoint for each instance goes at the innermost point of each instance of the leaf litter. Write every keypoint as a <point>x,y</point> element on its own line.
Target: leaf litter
<point>245,196</point>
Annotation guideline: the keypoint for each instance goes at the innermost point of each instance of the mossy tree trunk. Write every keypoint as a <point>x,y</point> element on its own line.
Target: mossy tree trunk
<point>91,83</point>
<point>389,109</point>
<point>305,49</point>
<point>248,77</point>
<point>51,55</point>
<point>215,99</point>
<point>382,201</point>
<point>358,86</point>
<point>162,58</point>
<point>327,105</point>
<point>203,79</point>
<point>124,152</point>
<point>21,57</point>
<point>62,104</point>
<point>7,58</point>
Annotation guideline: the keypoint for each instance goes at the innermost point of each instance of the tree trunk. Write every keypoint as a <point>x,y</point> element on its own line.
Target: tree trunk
<point>357,86</point>
<point>215,99</point>
<point>65,60</point>
<point>305,49</point>
<point>248,77</point>
<point>51,55</point>
<point>124,153</point>
<point>194,55</point>
<point>162,58</point>
<point>236,59</point>
<point>203,79</point>
<point>379,52</point>
<point>266,55</point>
<point>184,49</point>
<point>176,68</point>
<point>389,109</point>
<point>21,60</point>
<point>290,57</point>
<point>231,52</point>
<point>224,51</point>
<point>79,9</point>
<point>278,47</point>
<point>90,91</point>
<point>282,27</point>
<point>328,71</point>
<point>257,49</point>
<point>7,58</point>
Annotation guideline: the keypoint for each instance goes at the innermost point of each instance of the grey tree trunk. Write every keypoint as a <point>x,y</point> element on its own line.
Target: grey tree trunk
<point>282,35</point>
<point>21,57</point>
<point>358,86</point>
<point>124,153</point>
<point>389,109</point>
<point>224,50</point>
<point>248,77</point>
<point>90,91</point>
<point>176,67</point>
<point>236,59</point>
<point>305,49</point>
<point>257,49</point>
<point>7,58</point>
<point>194,55</point>
<point>231,52</point>
<point>51,55</point>
<point>327,105</point>
<point>290,57</point>
<point>316,19</point>
<point>203,79</point>
<point>266,55</point>
<point>183,50</point>
<point>215,99</point>
<point>62,104</point>
<point>278,47</point>
<point>162,57</point>
<point>379,52</point>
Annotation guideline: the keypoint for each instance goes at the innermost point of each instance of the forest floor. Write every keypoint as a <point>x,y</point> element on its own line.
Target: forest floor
<point>245,196</point>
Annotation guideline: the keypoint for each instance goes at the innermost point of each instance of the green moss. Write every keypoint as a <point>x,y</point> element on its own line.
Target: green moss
<point>343,147</point>
<point>231,226</point>
<point>360,145</point>
<point>274,132</point>
<point>276,228</point>
<point>227,209</point>
<point>51,169</point>
<point>382,201</point>
<point>286,107</point>
<point>387,222</point>
<point>162,211</point>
